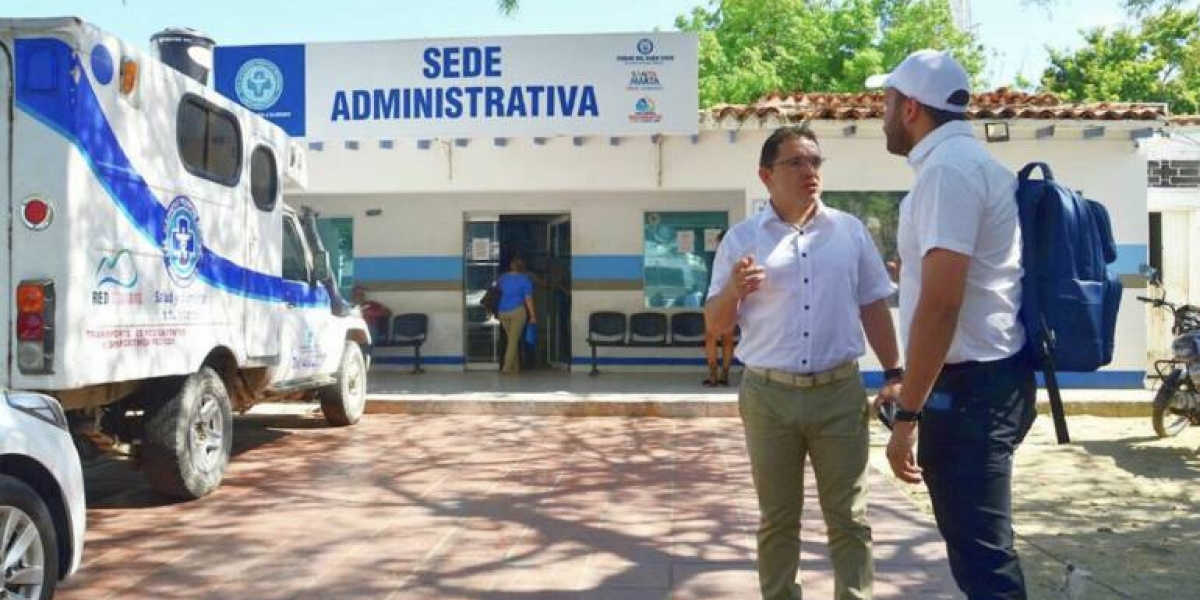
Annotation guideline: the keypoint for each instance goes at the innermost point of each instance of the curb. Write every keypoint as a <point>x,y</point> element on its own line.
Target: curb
<point>618,406</point>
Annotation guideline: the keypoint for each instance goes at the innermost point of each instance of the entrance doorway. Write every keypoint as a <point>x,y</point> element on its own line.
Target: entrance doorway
<point>490,243</point>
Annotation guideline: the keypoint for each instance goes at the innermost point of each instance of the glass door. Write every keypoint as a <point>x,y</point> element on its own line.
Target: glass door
<point>481,260</point>
<point>337,235</point>
<point>558,278</point>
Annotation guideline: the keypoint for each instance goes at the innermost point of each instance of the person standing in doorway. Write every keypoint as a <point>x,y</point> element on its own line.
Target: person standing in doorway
<point>712,337</point>
<point>516,307</point>
<point>970,388</point>
<point>804,281</point>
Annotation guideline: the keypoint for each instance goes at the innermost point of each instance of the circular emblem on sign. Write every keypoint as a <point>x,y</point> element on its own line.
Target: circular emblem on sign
<point>181,242</point>
<point>102,64</point>
<point>258,84</point>
<point>644,105</point>
<point>645,46</point>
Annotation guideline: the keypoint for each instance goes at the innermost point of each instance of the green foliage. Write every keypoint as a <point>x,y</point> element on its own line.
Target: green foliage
<point>749,48</point>
<point>507,7</point>
<point>1155,61</point>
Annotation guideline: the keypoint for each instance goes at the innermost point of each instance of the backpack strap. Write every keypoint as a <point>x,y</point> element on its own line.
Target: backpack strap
<point>1027,170</point>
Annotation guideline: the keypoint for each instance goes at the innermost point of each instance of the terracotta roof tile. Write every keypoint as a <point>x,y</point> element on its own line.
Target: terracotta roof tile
<point>1001,103</point>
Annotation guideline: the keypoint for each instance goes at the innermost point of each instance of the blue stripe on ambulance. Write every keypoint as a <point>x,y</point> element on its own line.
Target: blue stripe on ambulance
<point>73,111</point>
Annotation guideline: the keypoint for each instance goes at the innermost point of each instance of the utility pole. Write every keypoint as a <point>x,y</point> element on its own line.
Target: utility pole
<point>961,9</point>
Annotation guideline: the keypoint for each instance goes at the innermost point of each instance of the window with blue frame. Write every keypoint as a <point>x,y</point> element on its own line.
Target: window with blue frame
<point>677,256</point>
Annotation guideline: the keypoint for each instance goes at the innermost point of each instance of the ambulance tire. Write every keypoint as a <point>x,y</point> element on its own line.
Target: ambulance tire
<point>189,437</point>
<point>344,402</point>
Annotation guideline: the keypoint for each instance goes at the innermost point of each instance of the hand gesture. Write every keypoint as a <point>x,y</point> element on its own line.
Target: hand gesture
<point>747,277</point>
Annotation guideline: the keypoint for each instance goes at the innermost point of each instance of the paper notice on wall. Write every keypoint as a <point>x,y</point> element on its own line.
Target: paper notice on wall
<point>481,249</point>
<point>710,239</point>
<point>685,241</point>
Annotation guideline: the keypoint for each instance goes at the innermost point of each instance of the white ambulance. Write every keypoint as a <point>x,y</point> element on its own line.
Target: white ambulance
<point>155,282</point>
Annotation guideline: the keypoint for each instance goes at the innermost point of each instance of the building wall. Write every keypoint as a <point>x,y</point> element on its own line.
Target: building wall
<point>414,248</point>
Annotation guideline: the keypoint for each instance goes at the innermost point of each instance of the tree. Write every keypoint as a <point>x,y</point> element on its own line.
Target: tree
<point>507,7</point>
<point>1136,8</point>
<point>1157,60</point>
<point>752,47</point>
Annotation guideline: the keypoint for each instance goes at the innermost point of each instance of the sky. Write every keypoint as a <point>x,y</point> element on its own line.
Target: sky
<point>1014,34</point>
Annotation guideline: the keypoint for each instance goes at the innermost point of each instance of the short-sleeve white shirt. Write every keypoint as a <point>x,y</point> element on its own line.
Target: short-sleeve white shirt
<point>964,201</point>
<point>805,317</point>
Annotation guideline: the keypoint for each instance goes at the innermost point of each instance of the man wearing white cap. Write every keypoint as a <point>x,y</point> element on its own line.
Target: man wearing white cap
<point>968,384</point>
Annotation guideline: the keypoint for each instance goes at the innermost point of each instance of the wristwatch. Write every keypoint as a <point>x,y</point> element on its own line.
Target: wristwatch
<point>908,416</point>
<point>895,374</point>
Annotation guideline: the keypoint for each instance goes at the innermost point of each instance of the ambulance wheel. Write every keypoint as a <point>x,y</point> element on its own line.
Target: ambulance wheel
<point>344,402</point>
<point>189,437</point>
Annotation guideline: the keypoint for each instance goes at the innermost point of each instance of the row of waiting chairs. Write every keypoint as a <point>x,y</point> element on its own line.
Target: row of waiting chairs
<point>407,330</point>
<point>649,329</point>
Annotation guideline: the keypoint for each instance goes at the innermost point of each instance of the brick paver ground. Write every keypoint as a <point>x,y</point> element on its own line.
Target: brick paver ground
<point>472,507</point>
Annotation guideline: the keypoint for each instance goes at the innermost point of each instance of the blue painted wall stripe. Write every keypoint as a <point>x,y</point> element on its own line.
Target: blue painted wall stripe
<point>450,268</point>
<point>408,268</point>
<point>425,360</point>
<point>616,267</point>
<point>1129,258</point>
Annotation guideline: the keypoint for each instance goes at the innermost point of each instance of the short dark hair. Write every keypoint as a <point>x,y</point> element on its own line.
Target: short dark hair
<point>938,116</point>
<point>770,148</point>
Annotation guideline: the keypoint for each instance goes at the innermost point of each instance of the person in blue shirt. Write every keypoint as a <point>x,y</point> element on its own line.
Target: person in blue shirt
<point>516,304</point>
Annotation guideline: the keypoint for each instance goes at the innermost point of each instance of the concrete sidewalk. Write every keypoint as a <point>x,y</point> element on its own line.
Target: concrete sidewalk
<point>638,394</point>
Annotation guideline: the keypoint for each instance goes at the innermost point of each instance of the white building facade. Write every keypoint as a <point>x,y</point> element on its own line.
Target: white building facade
<point>625,221</point>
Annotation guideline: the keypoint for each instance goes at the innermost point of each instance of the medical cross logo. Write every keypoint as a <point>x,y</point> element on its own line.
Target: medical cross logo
<point>181,242</point>
<point>258,84</point>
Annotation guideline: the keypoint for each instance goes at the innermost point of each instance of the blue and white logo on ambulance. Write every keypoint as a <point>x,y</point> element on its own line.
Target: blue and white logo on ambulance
<point>117,270</point>
<point>182,243</point>
<point>259,84</point>
<point>644,112</point>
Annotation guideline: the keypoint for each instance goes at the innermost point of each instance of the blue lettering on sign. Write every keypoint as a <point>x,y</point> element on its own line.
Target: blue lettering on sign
<point>468,102</point>
<point>457,62</point>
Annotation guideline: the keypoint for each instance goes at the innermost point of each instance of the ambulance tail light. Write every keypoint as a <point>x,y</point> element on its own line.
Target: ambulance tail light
<point>35,326</point>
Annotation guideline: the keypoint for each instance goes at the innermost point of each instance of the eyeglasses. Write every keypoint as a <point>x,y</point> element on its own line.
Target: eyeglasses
<point>812,162</point>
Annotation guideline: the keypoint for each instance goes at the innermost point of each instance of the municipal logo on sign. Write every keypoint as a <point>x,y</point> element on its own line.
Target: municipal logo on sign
<point>643,80</point>
<point>181,242</point>
<point>644,112</point>
<point>259,84</point>
<point>645,55</point>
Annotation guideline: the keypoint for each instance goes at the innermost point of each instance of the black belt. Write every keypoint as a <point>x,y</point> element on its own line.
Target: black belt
<point>968,365</point>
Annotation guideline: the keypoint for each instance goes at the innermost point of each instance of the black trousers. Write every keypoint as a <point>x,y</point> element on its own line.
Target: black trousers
<point>973,421</point>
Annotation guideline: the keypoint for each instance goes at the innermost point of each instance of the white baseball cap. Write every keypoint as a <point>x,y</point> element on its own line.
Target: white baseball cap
<point>931,77</point>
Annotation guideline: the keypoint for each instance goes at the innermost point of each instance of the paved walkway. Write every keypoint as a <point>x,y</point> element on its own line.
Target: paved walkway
<point>476,507</point>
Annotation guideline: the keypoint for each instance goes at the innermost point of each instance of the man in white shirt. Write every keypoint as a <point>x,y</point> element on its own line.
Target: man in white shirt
<point>969,384</point>
<point>804,281</point>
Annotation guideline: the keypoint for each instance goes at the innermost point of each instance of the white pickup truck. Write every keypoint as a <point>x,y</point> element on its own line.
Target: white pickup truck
<point>155,280</point>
